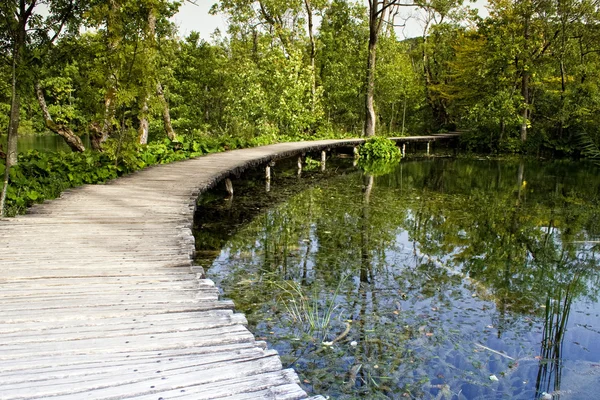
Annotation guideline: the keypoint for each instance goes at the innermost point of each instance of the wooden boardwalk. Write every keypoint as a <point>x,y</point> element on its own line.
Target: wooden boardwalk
<point>99,298</point>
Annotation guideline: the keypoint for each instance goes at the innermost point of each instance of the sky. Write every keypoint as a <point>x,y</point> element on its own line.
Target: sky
<point>196,18</point>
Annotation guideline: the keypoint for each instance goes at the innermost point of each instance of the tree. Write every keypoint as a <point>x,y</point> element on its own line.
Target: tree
<point>198,86</point>
<point>130,32</point>
<point>72,140</point>
<point>398,88</point>
<point>342,50</point>
<point>25,34</point>
<point>380,12</point>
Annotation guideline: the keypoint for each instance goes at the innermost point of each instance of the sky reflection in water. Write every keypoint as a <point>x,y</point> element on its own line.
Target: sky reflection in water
<point>448,279</point>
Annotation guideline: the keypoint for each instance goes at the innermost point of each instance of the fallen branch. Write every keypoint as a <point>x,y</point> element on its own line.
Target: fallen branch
<point>494,351</point>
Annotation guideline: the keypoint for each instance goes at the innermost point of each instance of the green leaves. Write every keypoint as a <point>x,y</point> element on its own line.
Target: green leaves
<point>33,195</point>
<point>379,156</point>
<point>379,148</point>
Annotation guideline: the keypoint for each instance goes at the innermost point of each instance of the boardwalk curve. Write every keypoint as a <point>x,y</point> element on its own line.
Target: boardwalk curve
<point>99,298</point>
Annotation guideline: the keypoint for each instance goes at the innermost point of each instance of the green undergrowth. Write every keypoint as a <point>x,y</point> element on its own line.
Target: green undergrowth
<point>40,176</point>
<point>378,156</point>
<point>379,148</point>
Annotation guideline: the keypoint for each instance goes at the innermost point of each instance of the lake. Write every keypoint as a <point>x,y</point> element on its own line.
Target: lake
<point>444,279</point>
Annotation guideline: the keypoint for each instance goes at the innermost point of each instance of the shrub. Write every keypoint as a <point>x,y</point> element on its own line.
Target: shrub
<point>379,148</point>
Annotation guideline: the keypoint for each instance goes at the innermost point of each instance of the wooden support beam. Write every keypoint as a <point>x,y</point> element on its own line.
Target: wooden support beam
<point>229,186</point>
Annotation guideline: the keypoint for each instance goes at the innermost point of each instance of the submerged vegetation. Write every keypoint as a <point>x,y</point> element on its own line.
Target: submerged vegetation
<point>446,279</point>
<point>519,80</point>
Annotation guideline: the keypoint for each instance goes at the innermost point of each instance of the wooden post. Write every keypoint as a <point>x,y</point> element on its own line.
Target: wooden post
<point>229,187</point>
<point>268,178</point>
<point>428,149</point>
<point>323,160</point>
<point>355,151</point>
<point>299,166</point>
<point>403,150</point>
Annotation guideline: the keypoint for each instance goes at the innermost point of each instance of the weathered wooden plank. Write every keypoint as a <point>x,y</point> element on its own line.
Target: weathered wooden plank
<point>74,313</point>
<point>245,387</point>
<point>136,383</point>
<point>145,342</point>
<point>84,361</point>
<point>150,318</point>
<point>111,368</point>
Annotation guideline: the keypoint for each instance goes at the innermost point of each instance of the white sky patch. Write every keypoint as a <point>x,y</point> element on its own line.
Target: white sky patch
<point>197,18</point>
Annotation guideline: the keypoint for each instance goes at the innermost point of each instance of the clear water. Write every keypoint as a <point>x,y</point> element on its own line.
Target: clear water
<point>446,279</point>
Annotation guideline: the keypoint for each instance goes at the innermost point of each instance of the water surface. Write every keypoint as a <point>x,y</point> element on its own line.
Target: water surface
<point>446,279</point>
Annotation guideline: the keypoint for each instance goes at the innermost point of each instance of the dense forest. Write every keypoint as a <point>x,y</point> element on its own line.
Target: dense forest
<point>522,79</point>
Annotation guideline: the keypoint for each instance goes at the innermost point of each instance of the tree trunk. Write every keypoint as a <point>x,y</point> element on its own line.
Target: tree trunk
<point>525,111</point>
<point>144,124</point>
<point>96,136</point>
<point>166,112</point>
<point>313,89</point>
<point>403,116</point>
<point>99,134</point>
<point>525,86</point>
<point>12,150</point>
<point>72,140</point>
<point>13,127</point>
<point>369,101</point>
<point>145,89</point>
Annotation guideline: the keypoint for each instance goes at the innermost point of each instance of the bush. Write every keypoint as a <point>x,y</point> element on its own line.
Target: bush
<point>379,148</point>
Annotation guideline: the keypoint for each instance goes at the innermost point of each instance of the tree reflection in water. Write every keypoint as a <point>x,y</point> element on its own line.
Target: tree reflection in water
<point>458,271</point>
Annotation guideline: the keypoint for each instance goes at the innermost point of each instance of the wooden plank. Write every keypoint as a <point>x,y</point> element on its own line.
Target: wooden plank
<point>136,383</point>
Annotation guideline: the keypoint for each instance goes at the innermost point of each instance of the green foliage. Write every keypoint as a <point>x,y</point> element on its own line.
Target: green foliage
<point>311,164</point>
<point>342,50</point>
<point>398,91</point>
<point>589,148</point>
<point>379,148</point>
<point>258,85</point>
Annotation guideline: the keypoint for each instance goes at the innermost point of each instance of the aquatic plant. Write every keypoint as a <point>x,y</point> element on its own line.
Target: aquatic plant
<point>309,311</point>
